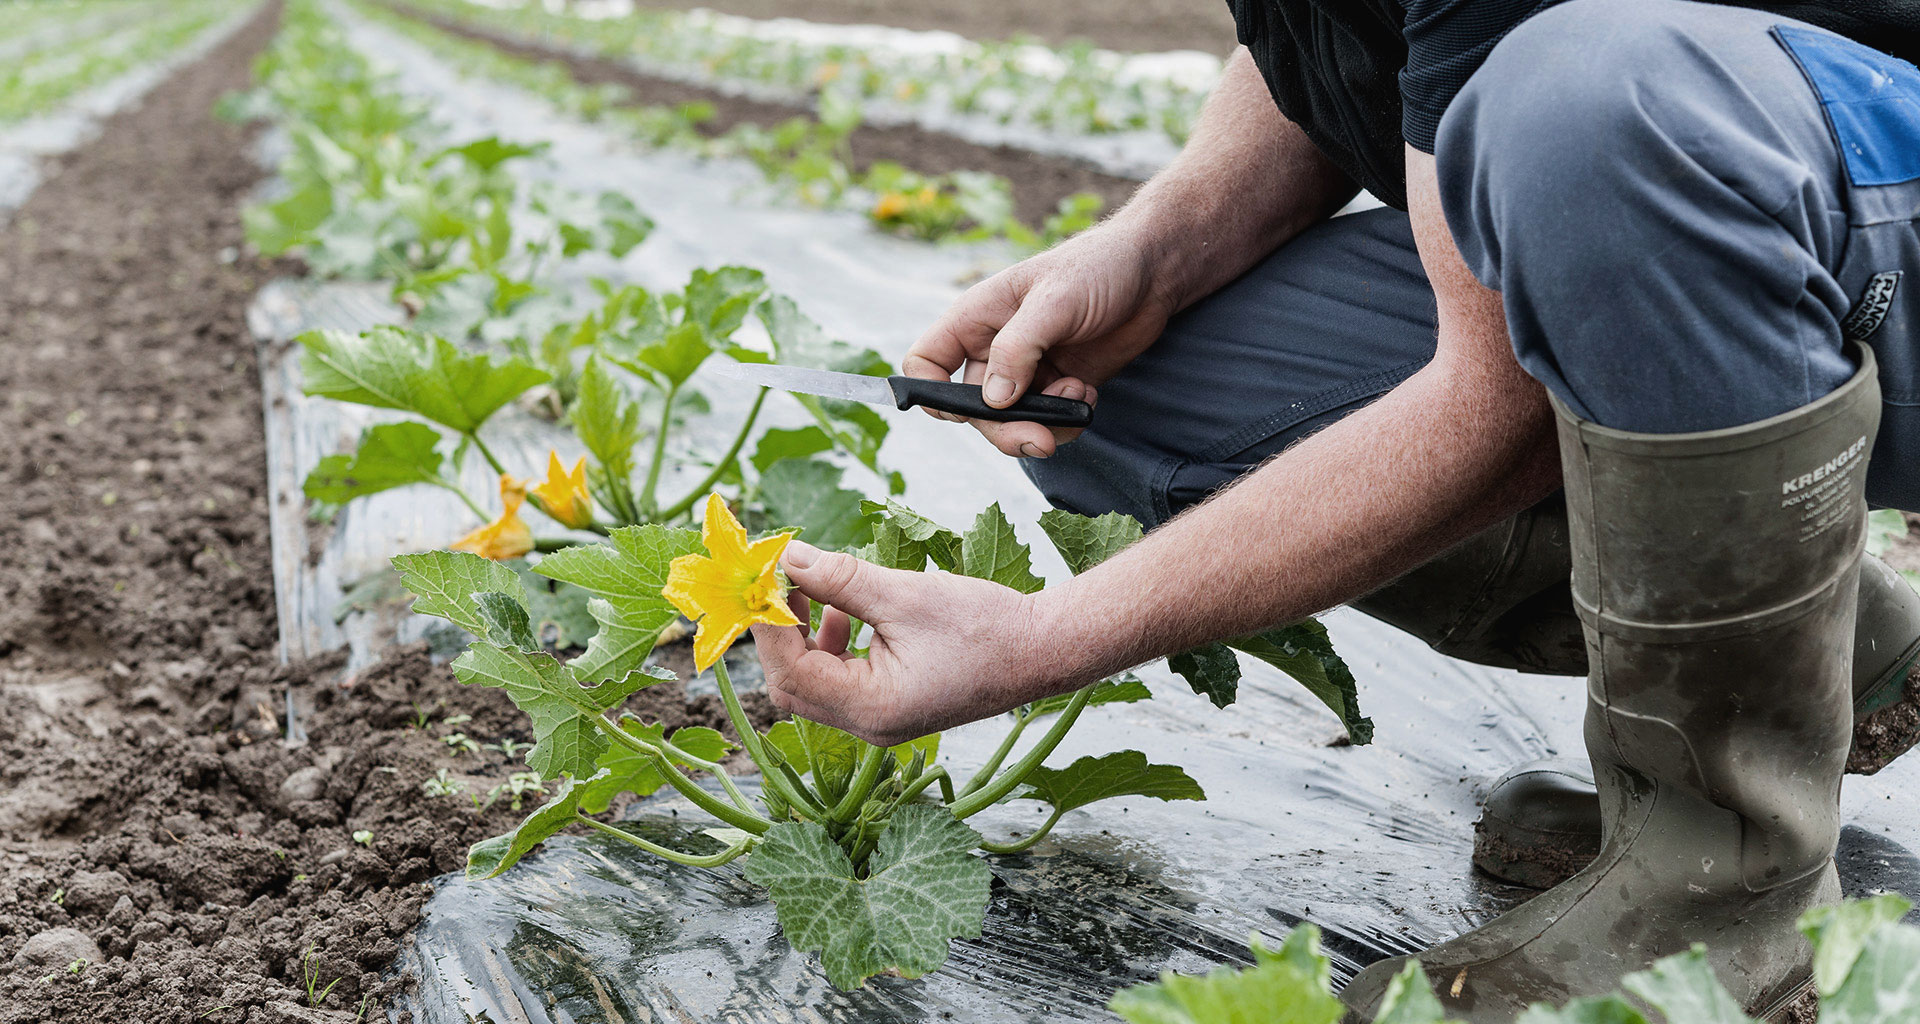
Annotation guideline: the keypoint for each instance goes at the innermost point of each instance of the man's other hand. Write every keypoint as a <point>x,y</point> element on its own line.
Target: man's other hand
<point>945,649</point>
<point>1061,322</point>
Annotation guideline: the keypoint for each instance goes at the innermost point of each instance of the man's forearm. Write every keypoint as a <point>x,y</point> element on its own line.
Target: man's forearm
<point>1247,181</point>
<point>1328,520</point>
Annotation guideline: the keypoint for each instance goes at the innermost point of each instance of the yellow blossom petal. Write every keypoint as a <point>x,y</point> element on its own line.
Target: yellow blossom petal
<point>564,494</point>
<point>891,206</point>
<point>734,586</point>
<point>505,537</point>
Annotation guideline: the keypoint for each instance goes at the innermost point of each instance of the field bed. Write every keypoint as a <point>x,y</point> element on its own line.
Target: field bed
<point>1039,181</point>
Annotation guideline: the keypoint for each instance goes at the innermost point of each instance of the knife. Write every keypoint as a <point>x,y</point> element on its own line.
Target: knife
<point>907,392</point>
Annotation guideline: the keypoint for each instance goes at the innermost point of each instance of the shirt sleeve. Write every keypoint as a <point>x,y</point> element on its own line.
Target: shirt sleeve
<point>1447,40</point>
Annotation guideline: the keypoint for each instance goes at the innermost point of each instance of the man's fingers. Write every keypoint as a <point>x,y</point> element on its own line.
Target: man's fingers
<point>797,604</point>
<point>1031,440</point>
<point>964,331</point>
<point>861,589</point>
<point>836,631</point>
<point>1017,348</point>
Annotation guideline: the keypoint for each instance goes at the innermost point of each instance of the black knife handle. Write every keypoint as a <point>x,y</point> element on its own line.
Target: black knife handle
<point>965,400</point>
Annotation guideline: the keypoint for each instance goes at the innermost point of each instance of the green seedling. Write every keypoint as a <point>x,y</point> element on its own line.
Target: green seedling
<point>363,836</point>
<point>310,975</point>
<point>443,784</point>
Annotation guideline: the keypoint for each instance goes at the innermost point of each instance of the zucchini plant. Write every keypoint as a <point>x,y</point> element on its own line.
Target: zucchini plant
<point>865,851</point>
<point>1866,970</point>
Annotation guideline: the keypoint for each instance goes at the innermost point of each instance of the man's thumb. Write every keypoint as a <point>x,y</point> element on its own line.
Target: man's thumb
<point>858,588</point>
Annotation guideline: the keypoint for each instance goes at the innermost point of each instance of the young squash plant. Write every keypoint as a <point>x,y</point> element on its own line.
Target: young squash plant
<point>865,850</point>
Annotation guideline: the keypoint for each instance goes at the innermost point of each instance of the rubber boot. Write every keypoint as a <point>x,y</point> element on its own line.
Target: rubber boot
<point>1540,822</point>
<point>1719,711</point>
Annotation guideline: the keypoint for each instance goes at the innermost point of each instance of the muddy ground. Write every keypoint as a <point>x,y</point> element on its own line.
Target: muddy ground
<point>1039,182</point>
<point>164,857</point>
<point>1141,25</point>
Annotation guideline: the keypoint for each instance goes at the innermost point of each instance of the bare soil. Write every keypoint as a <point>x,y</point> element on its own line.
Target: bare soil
<point>1142,25</point>
<point>1039,182</point>
<point>165,857</point>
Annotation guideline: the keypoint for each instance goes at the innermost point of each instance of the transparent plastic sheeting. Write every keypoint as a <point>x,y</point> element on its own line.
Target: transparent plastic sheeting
<point>1371,843</point>
<point>25,143</point>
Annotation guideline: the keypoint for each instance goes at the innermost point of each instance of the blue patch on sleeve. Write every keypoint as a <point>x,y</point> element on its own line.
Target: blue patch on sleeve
<point>1872,101</point>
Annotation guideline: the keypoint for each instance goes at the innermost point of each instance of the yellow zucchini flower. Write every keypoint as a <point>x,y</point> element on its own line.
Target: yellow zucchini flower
<point>564,494</point>
<point>507,536</point>
<point>736,587</point>
<point>890,207</point>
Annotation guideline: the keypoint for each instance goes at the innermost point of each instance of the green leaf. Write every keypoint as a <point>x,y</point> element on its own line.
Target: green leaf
<point>561,613</point>
<point>1305,652</point>
<point>1603,1010</point>
<point>1410,999</point>
<point>814,748</point>
<point>1683,987</point>
<point>892,548</point>
<point>783,443</point>
<point>567,740</point>
<point>806,493</point>
<point>990,551</point>
<point>624,224</point>
<point>489,857</point>
<point>1122,773</point>
<point>1277,989</point>
<point>678,353</point>
<point>490,152</point>
<point>798,341</point>
<point>444,582</point>
<point>1884,985</point>
<point>924,888</point>
<point>942,544</point>
<point>1121,689</point>
<point>606,419</point>
<point>1840,932</point>
<point>623,770</point>
<point>506,621</point>
<point>389,455</point>
<point>1085,541</point>
<point>628,572</point>
<point>718,299</point>
<point>618,647</point>
<point>393,368</point>
<point>281,225</point>
<point>1212,669</point>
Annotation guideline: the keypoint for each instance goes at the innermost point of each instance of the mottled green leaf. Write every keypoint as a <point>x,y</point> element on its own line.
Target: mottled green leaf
<point>1212,669</point>
<point>1601,1010</point>
<point>619,646</point>
<point>1410,1000</point>
<point>1122,773</point>
<point>490,152</point>
<point>444,582</point>
<point>923,889</point>
<point>489,857</point>
<point>1305,652</point>
<point>1683,987</point>
<point>628,571</point>
<point>506,620</point>
<point>942,544</point>
<point>567,740</point>
<point>389,455</point>
<point>1840,932</point>
<point>892,548</point>
<point>1883,987</point>
<point>394,368</point>
<point>1086,541</point>
<point>1275,990</point>
<point>797,341</point>
<point>991,551</point>
<point>622,224</point>
<point>1121,689</point>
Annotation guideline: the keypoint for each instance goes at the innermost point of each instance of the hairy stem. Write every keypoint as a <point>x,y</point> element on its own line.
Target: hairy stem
<point>750,738</point>
<point>862,784</point>
<point>690,860</point>
<point>1023,845</point>
<point>700,490</point>
<point>981,799</point>
<point>706,801</point>
<point>486,453</point>
<point>659,451</point>
<point>1020,720</point>
<point>710,767</point>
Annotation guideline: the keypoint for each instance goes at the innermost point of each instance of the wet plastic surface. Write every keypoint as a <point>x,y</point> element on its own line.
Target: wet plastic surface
<point>1371,843</point>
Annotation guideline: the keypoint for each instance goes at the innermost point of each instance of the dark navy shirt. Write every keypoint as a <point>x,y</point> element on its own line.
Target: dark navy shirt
<point>1364,77</point>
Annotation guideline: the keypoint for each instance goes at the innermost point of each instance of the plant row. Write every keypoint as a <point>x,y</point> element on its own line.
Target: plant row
<point>865,850</point>
<point>806,157</point>
<point>1866,970</point>
<point>34,82</point>
<point>1076,89</point>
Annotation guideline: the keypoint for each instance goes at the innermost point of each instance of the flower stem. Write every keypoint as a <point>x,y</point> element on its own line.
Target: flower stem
<point>659,451</point>
<point>467,500</point>
<point>750,738</point>
<point>690,860</point>
<point>706,801</point>
<point>1023,845</point>
<point>710,767</point>
<point>862,784</point>
<point>486,453</point>
<point>700,490</point>
<point>973,803</point>
<point>993,763</point>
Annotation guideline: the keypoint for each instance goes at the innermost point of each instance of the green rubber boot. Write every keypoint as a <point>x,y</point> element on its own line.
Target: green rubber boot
<point>1719,711</point>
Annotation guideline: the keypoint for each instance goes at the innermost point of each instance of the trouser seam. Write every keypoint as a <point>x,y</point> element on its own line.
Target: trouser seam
<point>1307,408</point>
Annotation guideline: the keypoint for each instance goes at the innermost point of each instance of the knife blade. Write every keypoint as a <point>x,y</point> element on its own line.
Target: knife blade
<point>907,392</point>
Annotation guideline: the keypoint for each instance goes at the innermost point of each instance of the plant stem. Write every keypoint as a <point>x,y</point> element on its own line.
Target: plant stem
<point>548,545</point>
<point>795,784</point>
<point>710,767</point>
<point>486,453</point>
<point>1023,845</point>
<point>706,801</point>
<point>690,860</point>
<point>700,490</point>
<point>973,803</point>
<point>986,771</point>
<point>659,451</point>
<point>862,784</point>
<point>468,501</point>
<point>750,738</point>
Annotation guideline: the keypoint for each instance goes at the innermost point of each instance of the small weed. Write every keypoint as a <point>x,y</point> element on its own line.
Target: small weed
<point>443,784</point>
<point>515,789</point>
<point>363,836</point>
<point>310,975</point>
<point>59,897</point>
<point>461,743</point>
<point>510,747</point>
